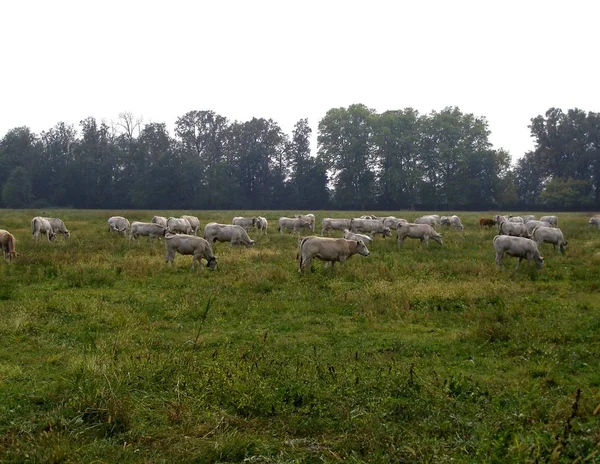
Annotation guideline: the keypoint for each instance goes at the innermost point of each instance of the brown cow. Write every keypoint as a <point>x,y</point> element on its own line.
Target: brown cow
<point>489,223</point>
<point>7,241</point>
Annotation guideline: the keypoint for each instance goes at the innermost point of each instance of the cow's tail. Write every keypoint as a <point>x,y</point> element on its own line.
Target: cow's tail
<point>533,232</point>
<point>34,225</point>
<point>500,227</point>
<point>12,252</point>
<point>299,254</point>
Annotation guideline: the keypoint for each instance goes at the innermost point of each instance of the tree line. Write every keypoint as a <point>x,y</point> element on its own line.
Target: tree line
<point>365,161</point>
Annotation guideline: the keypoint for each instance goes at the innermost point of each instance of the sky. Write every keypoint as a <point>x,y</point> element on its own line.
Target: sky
<point>507,61</point>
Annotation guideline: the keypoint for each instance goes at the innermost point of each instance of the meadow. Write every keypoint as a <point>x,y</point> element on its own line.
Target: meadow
<point>421,354</point>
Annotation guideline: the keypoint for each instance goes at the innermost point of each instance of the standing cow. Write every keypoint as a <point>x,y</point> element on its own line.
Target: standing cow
<point>179,226</point>
<point>185,244</point>
<point>146,229</point>
<point>421,231</point>
<point>118,224</point>
<point>7,242</point>
<point>262,224</point>
<point>549,235</point>
<point>517,247</point>
<point>161,220</point>
<point>328,249</point>
<point>194,223</point>
<point>246,223</point>
<point>40,226</point>
<point>58,226</point>
<point>234,234</point>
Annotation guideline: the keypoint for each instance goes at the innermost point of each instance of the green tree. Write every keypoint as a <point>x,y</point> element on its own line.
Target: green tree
<point>567,193</point>
<point>16,192</point>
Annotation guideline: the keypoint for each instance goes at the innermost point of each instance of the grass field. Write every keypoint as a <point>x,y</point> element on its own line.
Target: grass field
<point>424,354</point>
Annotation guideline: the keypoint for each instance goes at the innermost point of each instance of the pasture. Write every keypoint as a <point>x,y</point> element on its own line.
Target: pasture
<point>422,354</point>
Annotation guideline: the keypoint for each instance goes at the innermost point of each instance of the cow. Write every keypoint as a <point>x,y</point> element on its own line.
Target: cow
<point>515,229</point>
<point>179,226</point>
<point>310,218</point>
<point>262,224</point>
<point>533,224</point>
<point>246,223</point>
<point>118,224</point>
<point>161,220</point>
<point>484,222</point>
<point>499,218</point>
<point>370,226</point>
<point>421,231</point>
<point>552,220</point>
<point>39,225</point>
<point>517,219</point>
<point>594,221</point>
<point>146,229</point>
<point>551,235</point>
<point>528,217</point>
<point>445,221</point>
<point>328,224</point>
<point>352,236</point>
<point>328,249</point>
<point>185,244</point>
<point>293,223</point>
<point>58,226</point>
<point>431,219</point>
<point>7,242</point>
<point>392,222</point>
<point>194,223</point>
<point>517,247</point>
<point>369,216</point>
<point>231,233</point>
<point>455,223</point>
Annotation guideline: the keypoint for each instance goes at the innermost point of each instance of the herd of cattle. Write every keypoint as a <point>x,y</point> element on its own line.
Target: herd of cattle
<point>517,236</point>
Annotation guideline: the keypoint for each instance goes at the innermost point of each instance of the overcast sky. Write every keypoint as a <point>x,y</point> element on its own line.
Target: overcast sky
<point>286,60</point>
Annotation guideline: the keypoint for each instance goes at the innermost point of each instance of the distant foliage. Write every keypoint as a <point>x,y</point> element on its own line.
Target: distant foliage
<point>365,161</point>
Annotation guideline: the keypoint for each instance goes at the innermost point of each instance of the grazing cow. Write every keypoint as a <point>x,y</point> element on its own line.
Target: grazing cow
<point>58,227</point>
<point>498,219</point>
<point>179,226</point>
<point>233,234</point>
<point>517,219</point>
<point>328,224</point>
<point>328,249</point>
<point>392,222</point>
<point>445,221</point>
<point>431,219</point>
<point>515,229</point>
<point>310,218</point>
<point>528,217</point>
<point>533,224</point>
<point>246,223</point>
<point>118,224</point>
<point>295,224</point>
<point>146,229</point>
<point>194,223</point>
<point>455,223</point>
<point>262,224</point>
<point>421,231</point>
<point>595,221</point>
<point>549,235</point>
<point>161,220</point>
<point>517,247</point>
<point>352,236</point>
<point>7,242</point>
<point>39,225</point>
<point>370,226</point>
<point>552,220</point>
<point>489,223</point>
<point>184,244</point>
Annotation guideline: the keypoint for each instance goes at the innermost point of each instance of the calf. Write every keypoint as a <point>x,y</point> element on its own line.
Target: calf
<point>484,222</point>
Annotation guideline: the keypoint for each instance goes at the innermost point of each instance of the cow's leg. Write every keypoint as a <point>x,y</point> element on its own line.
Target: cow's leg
<point>519,263</point>
<point>499,256</point>
<point>400,242</point>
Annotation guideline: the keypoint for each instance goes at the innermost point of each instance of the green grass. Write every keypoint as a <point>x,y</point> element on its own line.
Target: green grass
<point>421,354</point>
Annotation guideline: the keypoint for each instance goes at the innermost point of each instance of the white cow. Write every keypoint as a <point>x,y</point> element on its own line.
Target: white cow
<point>369,226</point>
<point>295,224</point>
<point>421,231</point>
<point>310,218</point>
<point>185,244</point>
<point>392,222</point>
<point>595,221</point>
<point>231,233</point>
<point>517,219</point>
<point>455,223</point>
<point>39,225</point>
<point>552,220</point>
<point>194,223</point>
<point>146,229</point>
<point>118,224</point>
<point>161,220</point>
<point>328,224</point>
<point>549,235</point>
<point>262,224</point>
<point>517,247</point>
<point>515,229</point>
<point>530,225</point>
<point>328,249</point>
<point>499,218</point>
<point>352,236</point>
<point>528,217</point>
<point>179,226</point>
<point>7,242</point>
<point>445,221</point>
<point>431,219</point>
<point>58,226</point>
<point>246,223</point>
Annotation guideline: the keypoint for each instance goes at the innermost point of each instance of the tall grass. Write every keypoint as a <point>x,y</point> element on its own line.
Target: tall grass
<point>420,354</point>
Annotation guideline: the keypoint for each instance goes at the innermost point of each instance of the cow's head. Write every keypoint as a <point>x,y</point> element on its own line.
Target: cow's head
<point>52,237</point>
<point>67,233</point>
<point>212,263</point>
<point>361,248</point>
<point>387,232</point>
